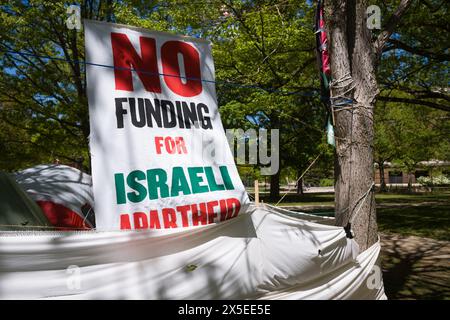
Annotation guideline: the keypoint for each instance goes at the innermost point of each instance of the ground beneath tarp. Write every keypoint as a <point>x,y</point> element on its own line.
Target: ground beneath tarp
<point>415,267</point>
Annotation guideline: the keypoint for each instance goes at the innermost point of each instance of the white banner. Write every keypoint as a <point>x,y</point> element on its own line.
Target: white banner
<point>160,157</point>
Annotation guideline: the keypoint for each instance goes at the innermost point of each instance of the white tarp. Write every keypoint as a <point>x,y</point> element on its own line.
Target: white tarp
<point>261,254</point>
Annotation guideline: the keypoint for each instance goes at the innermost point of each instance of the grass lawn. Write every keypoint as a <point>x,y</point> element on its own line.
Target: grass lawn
<point>430,221</point>
<point>415,267</point>
<point>414,257</point>
<point>423,215</point>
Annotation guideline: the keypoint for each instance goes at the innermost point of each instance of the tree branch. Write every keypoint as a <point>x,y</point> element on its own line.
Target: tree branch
<point>397,44</point>
<point>391,25</point>
<point>415,101</point>
<point>255,39</point>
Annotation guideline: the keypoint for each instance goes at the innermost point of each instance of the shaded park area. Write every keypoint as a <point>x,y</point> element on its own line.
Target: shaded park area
<point>415,239</point>
<point>415,267</point>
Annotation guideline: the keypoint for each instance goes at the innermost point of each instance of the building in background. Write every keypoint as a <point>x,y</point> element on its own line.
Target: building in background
<point>396,174</point>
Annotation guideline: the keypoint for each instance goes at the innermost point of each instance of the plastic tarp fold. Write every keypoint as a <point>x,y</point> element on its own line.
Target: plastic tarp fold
<point>262,254</point>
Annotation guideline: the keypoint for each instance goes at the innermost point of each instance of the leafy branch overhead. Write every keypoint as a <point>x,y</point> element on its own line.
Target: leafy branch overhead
<point>264,53</point>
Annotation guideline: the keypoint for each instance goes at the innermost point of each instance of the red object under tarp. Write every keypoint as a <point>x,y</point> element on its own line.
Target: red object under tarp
<point>62,217</point>
<point>63,193</point>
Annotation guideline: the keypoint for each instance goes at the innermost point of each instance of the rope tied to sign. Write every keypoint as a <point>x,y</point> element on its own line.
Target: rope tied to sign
<point>343,102</point>
<point>335,83</point>
<point>296,182</point>
<point>217,82</point>
<point>353,214</point>
<point>343,82</point>
<point>360,202</point>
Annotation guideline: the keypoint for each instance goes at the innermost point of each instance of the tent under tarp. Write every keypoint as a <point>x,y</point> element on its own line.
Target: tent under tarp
<point>17,210</point>
<point>63,193</point>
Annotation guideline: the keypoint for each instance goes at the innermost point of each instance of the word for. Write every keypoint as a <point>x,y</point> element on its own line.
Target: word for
<point>172,145</point>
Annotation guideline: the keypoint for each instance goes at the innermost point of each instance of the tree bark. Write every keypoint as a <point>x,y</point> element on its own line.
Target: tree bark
<point>275,185</point>
<point>300,184</point>
<point>382,180</point>
<point>409,182</point>
<point>352,59</point>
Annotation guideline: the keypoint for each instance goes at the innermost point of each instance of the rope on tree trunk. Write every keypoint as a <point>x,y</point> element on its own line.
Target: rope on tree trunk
<point>353,214</point>
<point>361,200</point>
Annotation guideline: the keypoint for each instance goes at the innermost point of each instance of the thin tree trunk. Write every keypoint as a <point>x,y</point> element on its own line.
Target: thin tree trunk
<point>275,185</point>
<point>352,65</point>
<point>382,180</point>
<point>300,185</point>
<point>409,182</point>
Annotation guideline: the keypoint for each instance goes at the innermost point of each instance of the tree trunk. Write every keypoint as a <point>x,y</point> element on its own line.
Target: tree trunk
<point>275,186</point>
<point>300,185</point>
<point>352,64</point>
<point>382,180</point>
<point>409,182</point>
